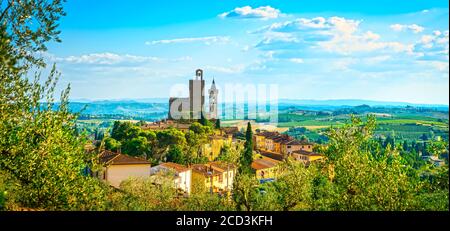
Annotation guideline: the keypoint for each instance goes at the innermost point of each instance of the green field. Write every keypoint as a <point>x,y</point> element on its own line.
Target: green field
<point>403,126</point>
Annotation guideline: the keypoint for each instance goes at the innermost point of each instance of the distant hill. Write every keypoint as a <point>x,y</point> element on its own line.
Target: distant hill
<point>157,108</point>
<point>128,109</point>
<point>355,102</point>
<point>143,100</point>
<point>305,102</point>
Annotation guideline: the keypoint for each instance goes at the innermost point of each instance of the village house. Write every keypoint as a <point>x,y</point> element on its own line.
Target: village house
<point>119,167</point>
<point>307,157</point>
<point>182,175</point>
<point>259,141</point>
<point>233,131</point>
<point>268,144</point>
<point>295,145</point>
<point>165,124</point>
<point>263,140</point>
<point>266,168</point>
<point>271,143</point>
<point>279,141</point>
<point>217,176</point>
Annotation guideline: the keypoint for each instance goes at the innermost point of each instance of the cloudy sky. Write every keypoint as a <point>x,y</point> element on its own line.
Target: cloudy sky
<point>380,50</point>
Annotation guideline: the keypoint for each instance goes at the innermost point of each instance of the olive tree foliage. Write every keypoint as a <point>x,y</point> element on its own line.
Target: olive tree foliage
<point>294,187</point>
<point>39,148</point>
<point>27,25</point>
<point>363,177</point>
<point>245,192</point>
<point>206,201</point>
<point>158,193</point>
<point>231,153</point>
<point>145,194</point>
<point>292,190</point>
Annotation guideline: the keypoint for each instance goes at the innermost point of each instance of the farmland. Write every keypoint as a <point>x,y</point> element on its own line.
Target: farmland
<point>401,126</point>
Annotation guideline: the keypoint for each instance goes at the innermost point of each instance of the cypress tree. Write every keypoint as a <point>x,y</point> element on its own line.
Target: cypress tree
<point>217,123</point>
<point>203,120</point>
<point>247,157</point>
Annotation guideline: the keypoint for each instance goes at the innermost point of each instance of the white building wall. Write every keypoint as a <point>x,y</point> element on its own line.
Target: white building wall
<point>115,174</point>
<point>184,181</point>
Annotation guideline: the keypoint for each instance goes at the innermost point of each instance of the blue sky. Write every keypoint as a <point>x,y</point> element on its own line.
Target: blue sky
<point>377,50</point>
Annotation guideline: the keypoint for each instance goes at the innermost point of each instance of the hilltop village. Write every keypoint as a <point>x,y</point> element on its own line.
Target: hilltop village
<point>214,152</point>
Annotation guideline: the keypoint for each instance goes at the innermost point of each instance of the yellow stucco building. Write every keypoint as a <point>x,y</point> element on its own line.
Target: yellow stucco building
<point>295,145</point>
<point>214,176</point>
<point>266,168</point>
<point>307,157</point>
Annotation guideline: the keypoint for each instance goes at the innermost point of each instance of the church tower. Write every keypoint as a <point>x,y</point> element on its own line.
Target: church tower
<point>197,95</point>
<point>213,93</point>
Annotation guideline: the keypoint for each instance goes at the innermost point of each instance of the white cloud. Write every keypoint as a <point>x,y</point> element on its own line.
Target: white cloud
<point>358,43</point>
<point>338,24</point>
<point>245,48</point>
<point>334,34</point>
<point>272,37</point>
<point>263,12</point>
<point>227,70</point>
<point>108,58</point>
<point>440,66</point>
<point>413,27</point>
<point>296,60</point>
<point>434,46</point>
<point>369,35</point>
<point>206,40</point>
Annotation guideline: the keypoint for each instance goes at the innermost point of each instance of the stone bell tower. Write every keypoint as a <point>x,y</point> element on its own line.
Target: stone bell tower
<point>197,95</point>
<point>213,93</point>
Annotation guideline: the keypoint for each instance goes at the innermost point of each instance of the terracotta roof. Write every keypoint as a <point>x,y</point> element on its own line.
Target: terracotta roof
<point>272,155</point>
<point>272,136</point>
<point>113,158</point>
<point>204,170</point>
<point>268,134</point>
<point>230,130</point>
<point>299,142</point>
<point>282,139</point>
<point>165,125</point>
<point>175,166</point>
<point>106,156</point>
<point>264,162</point>
<point>221,166</point>
<point>303,152</point>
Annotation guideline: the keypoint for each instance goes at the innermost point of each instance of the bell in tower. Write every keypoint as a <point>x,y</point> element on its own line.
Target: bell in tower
<point>199,74</point>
